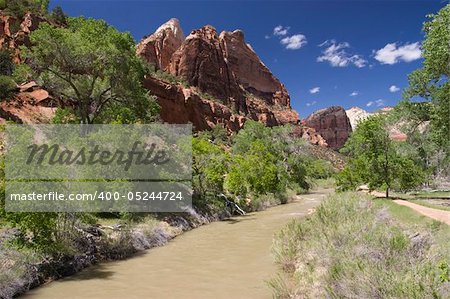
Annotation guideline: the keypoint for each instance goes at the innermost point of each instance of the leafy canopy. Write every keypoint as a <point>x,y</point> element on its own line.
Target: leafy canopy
<point>377,160</point>
<point>94,66</point>
<point>431,82</point>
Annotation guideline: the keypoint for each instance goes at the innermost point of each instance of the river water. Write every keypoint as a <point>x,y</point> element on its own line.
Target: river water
<point>226,259</point>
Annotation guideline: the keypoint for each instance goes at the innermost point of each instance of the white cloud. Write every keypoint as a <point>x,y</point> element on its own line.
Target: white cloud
<point>280,30</point>
<point>337,56</point>
<point>267,37</point>
<point>354,94</point>
<point>311,103</point>
<point>294,42</point>
<point>394,88</point>
<point>392,54</point>
<point>314,90</point>
<point>377,103</point>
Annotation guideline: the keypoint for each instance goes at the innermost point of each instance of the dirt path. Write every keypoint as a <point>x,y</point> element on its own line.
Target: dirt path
<point>440,215</point>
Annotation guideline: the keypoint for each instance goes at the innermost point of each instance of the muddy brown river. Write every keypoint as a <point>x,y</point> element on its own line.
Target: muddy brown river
<point>227,259</point>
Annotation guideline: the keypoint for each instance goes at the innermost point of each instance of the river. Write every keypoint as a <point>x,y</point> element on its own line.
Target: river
<point>226,259</point>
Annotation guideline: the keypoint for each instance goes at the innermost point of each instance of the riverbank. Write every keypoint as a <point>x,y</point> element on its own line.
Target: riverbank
<point>230,258</point>
<point>25,269</point>
<point>22,271</point>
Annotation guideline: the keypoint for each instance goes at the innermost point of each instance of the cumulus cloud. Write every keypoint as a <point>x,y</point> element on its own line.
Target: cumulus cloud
<point>337,55</point>
<point>281,30</point>
<point>394,88</point>
<point>314,90</point>
<point>311,103</point>
<point>354,94</point>
<point>393,53</point>
<point>377,103</point>
<point>294,42</point>
<point>290,42</point>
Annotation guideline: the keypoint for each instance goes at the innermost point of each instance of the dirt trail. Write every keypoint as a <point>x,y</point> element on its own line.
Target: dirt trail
<point>226,259</point>
<point>436,214</point>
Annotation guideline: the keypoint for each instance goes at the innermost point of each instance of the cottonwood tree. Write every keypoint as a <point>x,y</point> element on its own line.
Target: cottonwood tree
<point>95,67</point>
<point>431,82</point>
<point>377,160</point>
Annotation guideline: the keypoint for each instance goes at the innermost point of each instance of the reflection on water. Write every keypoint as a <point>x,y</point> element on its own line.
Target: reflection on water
<point>227,259</point>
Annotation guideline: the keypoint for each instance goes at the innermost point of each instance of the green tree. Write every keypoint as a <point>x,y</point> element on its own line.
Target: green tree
<point>6,63</point>
<point>7,87</point>
<point>431,82</point>
<point>58,15</point>
<point>93,65</point>
<point>377,160</point>
<point>210,164</point>
<point>18,8</point>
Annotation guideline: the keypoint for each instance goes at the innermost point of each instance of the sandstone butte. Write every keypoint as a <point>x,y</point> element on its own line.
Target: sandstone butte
<point>226,81</point>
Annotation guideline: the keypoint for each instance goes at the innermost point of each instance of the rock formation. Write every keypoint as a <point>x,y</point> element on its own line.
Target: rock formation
<point>158,48</point>
<point>332,124</point>
<point>221,70</point>
<point>355,115</point>
<point>14,32</point>
<point>30,105</point>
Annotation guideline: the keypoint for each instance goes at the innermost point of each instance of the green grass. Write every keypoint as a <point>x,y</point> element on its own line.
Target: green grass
<point>428,204</point>
<point>356,247</point>
<point>427,194</point>
<point>324,183</point>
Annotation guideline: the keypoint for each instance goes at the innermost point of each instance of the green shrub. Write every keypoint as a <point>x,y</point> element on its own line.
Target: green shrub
<point>22,73</point>
<point>65,116</point>
<point>58,15</point>
<point>7,87</point>
<point>320,169</point>
<point>6,63</point>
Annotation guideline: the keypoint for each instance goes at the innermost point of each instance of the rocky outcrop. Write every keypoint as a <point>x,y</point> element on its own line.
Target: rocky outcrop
<point>355,115</point>
<point>30,105</point>
<point>15,32</point>
<point>185,105</point>
<point>227,82</point>
<point>250,73</point>
<point>201,62</point>
<point>158,48</point>
<point>332,124</point>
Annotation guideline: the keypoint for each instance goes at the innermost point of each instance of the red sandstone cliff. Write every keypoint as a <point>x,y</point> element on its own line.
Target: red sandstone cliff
<point>332,124</point>
<point>238,85</point>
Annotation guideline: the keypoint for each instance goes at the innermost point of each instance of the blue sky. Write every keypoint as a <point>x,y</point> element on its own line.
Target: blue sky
<point>347,53</point>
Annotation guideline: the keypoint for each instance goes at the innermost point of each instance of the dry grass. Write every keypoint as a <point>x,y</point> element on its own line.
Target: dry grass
<point>352,247</point>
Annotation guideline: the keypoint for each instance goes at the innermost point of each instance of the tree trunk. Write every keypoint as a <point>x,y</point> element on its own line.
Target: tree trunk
<point>387,192</point>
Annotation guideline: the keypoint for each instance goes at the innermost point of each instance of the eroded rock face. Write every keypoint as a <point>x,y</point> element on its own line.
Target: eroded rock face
<point>249,70</point>
<point>184,105</point>
<point>31,105</point>
<point>201,62</point>
<point>158,48</point>
<point>225,72</point>
<point>332,124</point>
<point>15,33</point>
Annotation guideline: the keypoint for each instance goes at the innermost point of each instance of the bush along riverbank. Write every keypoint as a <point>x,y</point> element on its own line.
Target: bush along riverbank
<point>80,243</point>
<point>357,247</point>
